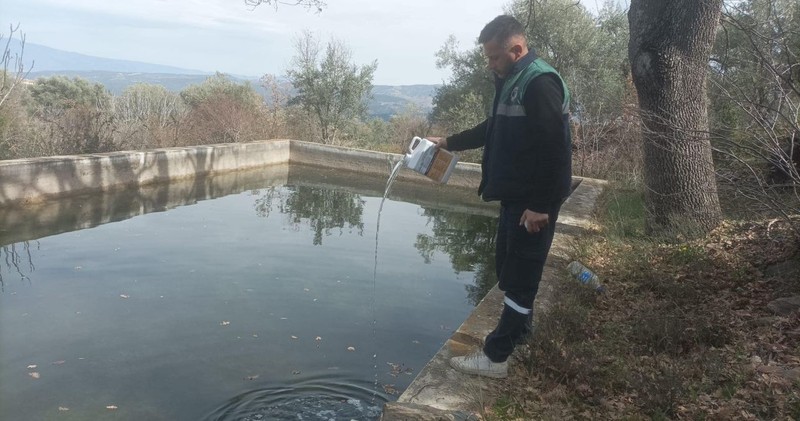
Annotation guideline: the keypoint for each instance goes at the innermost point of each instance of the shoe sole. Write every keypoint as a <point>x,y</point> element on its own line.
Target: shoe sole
<point>479,374</point>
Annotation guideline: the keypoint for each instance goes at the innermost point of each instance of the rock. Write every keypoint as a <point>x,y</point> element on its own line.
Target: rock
<point>395,411</point>
<point>785,306</point>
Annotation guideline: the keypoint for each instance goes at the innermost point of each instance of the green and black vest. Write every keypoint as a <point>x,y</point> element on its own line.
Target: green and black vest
<point>511,156</point>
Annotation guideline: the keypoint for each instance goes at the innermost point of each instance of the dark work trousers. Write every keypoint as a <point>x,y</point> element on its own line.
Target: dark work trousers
<point>520,258</point>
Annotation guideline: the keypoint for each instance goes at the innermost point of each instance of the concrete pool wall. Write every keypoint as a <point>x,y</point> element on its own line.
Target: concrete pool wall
<point>82,185</point>
<point>27,181</point>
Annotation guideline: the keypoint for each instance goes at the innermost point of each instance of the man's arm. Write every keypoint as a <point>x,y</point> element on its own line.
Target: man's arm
<point>468,139</point>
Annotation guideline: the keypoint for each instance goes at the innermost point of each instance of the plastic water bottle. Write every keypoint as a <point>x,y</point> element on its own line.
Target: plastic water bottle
<point>585,276</point>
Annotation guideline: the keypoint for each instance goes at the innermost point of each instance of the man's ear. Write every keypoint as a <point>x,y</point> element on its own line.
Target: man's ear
<point>516,49</point>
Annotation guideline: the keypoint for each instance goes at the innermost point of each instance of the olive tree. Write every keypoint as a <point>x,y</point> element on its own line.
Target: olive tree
<point>328,86</point>
<point>76,115</point>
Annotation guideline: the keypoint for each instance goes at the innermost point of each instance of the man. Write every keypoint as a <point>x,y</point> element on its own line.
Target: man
<point>527,167</point>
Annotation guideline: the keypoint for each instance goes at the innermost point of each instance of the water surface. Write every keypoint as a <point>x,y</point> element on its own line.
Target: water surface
<point>254,305</point>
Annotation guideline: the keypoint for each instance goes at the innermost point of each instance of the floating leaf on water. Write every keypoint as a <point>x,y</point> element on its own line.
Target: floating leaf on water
<point>252,377</point>
<point>112,407</point>
<point>63,408</point>
<point>351,348</point>
<point>315,300</point>
<point>124,296</point>
<point>294,337</point>
<point>306,289</point>
<point>296,372</point>
<point>284,318</point>
<point>59,362</point>
<point>78,267</point>
<point>224,323</point>
<point>31,367</point>
<point>34,374</point>
<point>318,338</point>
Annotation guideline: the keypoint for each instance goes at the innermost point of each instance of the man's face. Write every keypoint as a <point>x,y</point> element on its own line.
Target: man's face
<point>500,57</point>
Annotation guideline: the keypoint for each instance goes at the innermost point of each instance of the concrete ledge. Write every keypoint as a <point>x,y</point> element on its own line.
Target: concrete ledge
<point>26,181</point>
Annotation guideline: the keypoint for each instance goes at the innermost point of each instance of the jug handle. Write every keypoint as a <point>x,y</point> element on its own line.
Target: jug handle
<point>414,143</point>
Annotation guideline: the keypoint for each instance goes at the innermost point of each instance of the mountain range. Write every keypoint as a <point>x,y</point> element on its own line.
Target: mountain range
<point>116,75</point>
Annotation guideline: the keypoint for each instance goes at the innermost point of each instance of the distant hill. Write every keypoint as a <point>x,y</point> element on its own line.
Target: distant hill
<point>51,59</point>
<point>116,75</point>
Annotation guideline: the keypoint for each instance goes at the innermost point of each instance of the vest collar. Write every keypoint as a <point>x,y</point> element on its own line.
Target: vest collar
<point>520,64</point>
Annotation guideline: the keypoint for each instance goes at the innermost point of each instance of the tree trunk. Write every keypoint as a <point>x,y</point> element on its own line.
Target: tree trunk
<point>669,49</point>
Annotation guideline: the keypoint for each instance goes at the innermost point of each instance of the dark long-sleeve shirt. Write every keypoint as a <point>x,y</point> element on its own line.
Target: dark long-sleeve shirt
<point>543,102</point>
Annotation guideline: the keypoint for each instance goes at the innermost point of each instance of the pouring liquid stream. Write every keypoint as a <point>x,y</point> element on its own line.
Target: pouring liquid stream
<point>392,177</point>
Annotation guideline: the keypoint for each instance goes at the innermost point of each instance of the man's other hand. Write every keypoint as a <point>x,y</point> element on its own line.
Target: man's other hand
<point>534,221</point>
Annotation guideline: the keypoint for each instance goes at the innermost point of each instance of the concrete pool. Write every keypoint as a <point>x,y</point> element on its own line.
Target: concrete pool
<point>199,362</point>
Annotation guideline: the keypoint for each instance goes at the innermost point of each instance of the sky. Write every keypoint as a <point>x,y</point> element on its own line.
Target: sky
<point>231,37</point>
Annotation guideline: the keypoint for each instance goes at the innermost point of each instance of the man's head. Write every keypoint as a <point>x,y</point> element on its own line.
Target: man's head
<point>504,43</point>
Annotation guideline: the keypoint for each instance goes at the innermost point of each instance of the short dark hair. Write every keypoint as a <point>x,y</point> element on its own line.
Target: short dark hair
<point>501,28</point>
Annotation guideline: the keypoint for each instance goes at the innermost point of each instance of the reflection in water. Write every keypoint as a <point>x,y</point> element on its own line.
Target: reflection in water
<point>322,209</point>
<point>469,240</point>
<point>189,312</point>
<point>14,261</point>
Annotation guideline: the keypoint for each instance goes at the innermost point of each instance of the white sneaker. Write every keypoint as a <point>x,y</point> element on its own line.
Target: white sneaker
<point>479,364</point>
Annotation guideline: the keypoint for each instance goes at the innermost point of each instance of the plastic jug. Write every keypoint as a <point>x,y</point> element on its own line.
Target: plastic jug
<point>425,158</point>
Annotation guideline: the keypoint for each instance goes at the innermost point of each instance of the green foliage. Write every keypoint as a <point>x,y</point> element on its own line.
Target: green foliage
<point>589,52</point>
<point>77,114</point>
<point>465,99</point>
<point>330,88</point>
<point>221,86</point>
<point>222,111</point>
<point>54,95</point>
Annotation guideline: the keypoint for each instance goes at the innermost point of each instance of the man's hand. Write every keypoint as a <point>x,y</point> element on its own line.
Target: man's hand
<point>440,142</point>
<point>534,221</point>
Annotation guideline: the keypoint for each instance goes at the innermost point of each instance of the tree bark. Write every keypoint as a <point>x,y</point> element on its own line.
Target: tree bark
<point>670,44</point>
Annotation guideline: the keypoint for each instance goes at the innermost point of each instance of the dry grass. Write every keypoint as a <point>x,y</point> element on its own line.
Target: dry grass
<point>683,332</point>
